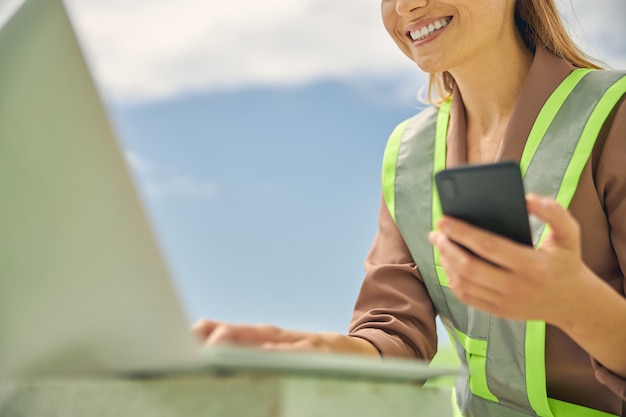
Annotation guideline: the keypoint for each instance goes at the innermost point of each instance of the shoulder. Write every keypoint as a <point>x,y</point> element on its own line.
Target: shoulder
<point>424,119</point>
<point>610,152</point>
<point>614,101</point>
<point>420,125</point>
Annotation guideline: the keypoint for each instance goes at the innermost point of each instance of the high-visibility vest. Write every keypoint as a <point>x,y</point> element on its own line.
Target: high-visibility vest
<point>505,359</point>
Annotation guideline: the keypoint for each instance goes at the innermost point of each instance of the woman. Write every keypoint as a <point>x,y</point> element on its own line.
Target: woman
<point>494,67</point>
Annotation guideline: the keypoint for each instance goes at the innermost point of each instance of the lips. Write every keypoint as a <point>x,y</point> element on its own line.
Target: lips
<point>425,31</point>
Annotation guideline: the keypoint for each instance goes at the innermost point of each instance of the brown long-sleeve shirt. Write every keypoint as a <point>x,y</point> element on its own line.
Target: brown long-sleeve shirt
<point>393,310</point>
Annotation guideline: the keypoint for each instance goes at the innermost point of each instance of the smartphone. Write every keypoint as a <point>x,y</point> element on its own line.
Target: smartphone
<point>490,196</point>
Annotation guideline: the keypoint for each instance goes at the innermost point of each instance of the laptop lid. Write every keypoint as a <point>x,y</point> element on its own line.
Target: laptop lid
<point>83,286</point>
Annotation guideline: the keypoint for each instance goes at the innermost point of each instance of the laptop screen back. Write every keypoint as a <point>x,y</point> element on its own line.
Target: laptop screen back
<point>83,286</point>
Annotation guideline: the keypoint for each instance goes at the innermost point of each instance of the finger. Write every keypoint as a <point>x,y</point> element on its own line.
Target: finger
<point>243,335</point>
<point>497,249</point>
<point>484,290</point>
<point>203,328</point>
<point>465,269</point>
<point>565,229</point>
<point>300,345</point>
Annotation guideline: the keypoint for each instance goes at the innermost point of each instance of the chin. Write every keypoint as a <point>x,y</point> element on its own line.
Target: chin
<point>431,67</point>
<point>431,63</point>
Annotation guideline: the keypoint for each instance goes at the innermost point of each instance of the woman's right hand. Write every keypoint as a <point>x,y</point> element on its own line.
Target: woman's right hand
<point>212,333</point>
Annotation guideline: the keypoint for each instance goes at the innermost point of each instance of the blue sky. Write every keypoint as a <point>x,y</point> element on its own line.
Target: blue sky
<point>285,199</point>
<point>255,132</point>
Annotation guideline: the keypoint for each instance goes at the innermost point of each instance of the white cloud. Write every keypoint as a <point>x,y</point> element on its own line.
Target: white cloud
<point>152,48</point>
<point>146,48</point>
<point>598,27</point>
<point>159,181</point>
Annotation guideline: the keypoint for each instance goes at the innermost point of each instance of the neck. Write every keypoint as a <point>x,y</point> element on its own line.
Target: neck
<point>491,83</point>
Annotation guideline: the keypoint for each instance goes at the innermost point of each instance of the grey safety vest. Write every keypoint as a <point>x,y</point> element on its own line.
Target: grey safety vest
<point>505,359</point>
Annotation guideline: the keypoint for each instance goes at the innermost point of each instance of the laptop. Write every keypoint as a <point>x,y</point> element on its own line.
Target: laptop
<point>83,286</point>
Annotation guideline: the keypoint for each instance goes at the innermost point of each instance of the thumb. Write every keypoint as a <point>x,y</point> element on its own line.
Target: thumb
<point>565,231</point>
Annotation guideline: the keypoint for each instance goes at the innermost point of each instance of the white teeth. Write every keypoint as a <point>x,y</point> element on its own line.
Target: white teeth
<point>426,31</point>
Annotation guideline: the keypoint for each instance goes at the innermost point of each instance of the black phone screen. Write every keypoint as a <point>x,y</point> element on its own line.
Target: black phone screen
<point>490,196</point>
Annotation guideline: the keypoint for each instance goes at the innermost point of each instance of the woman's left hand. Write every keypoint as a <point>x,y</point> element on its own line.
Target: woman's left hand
<point>521,282</point>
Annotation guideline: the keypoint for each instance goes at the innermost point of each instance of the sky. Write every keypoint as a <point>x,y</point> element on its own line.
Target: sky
<point>255,132</point>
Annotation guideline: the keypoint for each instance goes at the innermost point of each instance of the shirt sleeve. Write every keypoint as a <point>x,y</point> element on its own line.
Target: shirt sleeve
<point>393,310</point>
<point>611,183</point>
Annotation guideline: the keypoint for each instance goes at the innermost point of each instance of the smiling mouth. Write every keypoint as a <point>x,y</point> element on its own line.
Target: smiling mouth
<point>429,30</point>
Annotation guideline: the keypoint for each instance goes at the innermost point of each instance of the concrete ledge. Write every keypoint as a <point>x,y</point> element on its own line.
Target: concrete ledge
<point>198,395</point>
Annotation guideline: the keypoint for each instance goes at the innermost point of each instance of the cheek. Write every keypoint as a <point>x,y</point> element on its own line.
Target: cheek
<point>499,16</point>
<point>389,16</point>
<point>390,22</point>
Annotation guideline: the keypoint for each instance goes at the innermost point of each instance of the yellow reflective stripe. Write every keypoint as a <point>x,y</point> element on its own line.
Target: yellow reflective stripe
<point>563,409</point>
<point>471,345</point>
<point>560,408</point>
<point>443,118</point>
<point>547,113</point>
<point>535,347</point>
<point>478,378</point>
<point>585,145</point>
<point>476,350</point>
<point>441,273</point>
<point>476,354</point>
<point>588,140</point>
<point>390,158</point>
<point>535,330</point>
<point>456,411</point>
<point>442,133</point>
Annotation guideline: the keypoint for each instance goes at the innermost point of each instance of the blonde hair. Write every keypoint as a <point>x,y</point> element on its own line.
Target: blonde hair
<point>539,23</point>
